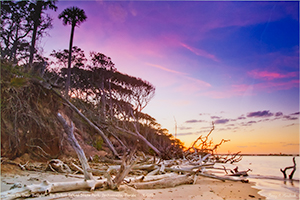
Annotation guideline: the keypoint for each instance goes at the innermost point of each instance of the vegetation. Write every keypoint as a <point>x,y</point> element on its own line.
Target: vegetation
<point>73,16</point>
<point>30,99</point>
<point>22,24</point>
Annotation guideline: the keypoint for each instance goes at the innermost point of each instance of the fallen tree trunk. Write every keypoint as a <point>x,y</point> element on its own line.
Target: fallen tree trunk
<point>107,141</point>
<point>222,178</point>
<point>149,178</point>
<point>139,136</point>
<point>164,183</point>
<point>46,188</point>
<point>69,129</point>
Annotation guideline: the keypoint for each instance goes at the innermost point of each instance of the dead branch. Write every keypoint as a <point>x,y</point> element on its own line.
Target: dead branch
<point>236,172</point>
<point>291,167</point>
<point>57,165</point>
<point>234,158</point>
<point>205,138</point>
<point>217,145</point>
<point>127,164</point>
<point>78,168</point>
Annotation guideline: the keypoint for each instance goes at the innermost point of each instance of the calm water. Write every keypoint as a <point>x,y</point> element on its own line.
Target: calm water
<point>270,166</point>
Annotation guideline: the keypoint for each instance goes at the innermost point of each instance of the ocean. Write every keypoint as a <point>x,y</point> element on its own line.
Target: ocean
<point>269,166</point>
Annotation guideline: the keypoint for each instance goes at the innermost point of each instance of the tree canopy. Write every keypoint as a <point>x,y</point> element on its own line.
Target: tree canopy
<point>113,101</point>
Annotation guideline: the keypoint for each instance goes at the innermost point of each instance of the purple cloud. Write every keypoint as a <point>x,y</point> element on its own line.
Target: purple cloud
<point>221,121</point>
<point>296,113</point>
<point>215,117</point>
<point>193,121</point>
<point>249,123</point>
<point>288,117</point>
<point>278,114</point>
<point>265,113</point>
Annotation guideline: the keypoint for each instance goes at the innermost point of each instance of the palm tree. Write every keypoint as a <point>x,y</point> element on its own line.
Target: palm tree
<point>72,16</point>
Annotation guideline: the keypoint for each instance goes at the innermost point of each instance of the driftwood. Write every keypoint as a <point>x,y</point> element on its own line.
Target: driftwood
<point>291,167</point>
<point>207,150</point>
<point>236,172</point>
<point>89,181</point>
<point>149,181</point>
<point>186,171</point>
<point>222,178</point>
<point>127,162</point>
<point>46,188</point>
<point>164,183</point>
<point>57,165</point>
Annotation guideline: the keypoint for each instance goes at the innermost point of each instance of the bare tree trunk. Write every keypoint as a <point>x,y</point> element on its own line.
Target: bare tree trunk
<point>68,81</point>
<point>107,141</point>
<point>69,129</point>
<point>37,16</point>
<point>139,136</point>
<point>291,167</point>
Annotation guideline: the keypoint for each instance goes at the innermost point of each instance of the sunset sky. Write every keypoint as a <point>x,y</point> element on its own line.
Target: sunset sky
<point>232,63</point>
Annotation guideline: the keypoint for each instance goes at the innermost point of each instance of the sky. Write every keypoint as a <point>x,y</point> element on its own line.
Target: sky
<point>232,63</point>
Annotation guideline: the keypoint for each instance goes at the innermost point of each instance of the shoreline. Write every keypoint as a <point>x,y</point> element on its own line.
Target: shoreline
<point>203,189</point>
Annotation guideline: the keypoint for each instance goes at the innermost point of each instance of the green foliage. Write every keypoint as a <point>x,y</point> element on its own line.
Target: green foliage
<point>19,82</point>
<point>98,143</point>
<point>96,158</point>
<point>151,151</point>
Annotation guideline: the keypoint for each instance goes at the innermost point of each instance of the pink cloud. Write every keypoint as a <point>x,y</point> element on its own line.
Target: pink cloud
<point>266,75</point>
<point>200,52</point>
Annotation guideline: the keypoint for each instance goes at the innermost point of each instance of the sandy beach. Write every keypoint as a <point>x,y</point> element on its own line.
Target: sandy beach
<point>204,188</point>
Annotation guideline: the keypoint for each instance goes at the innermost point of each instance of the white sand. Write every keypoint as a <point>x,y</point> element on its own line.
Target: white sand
<point>205,188</point>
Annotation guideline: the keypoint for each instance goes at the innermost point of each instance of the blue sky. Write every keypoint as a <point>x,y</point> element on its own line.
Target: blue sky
<point>234,63</point>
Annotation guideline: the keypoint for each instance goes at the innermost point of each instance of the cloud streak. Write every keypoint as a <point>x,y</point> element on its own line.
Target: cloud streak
<point>166,69</point>
<point>267,75</point>
<point>200,52</point>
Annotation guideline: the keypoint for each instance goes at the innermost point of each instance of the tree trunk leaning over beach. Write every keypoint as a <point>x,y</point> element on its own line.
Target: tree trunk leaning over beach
<point>69,129</point>
<point>107,141</point>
